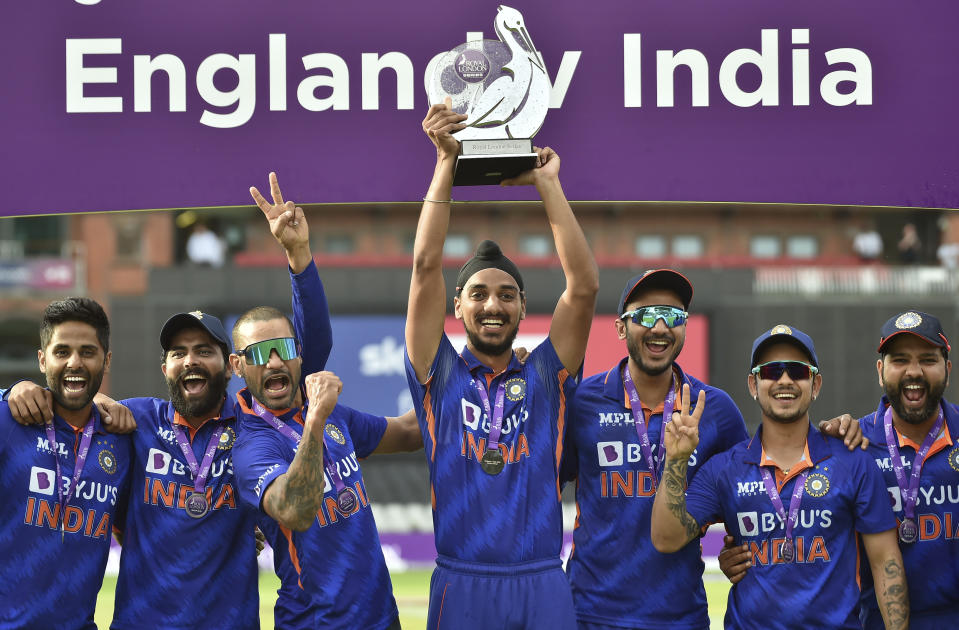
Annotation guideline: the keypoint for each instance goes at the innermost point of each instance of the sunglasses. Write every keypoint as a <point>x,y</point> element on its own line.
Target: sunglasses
<point>774,370</point>
<point>259,353</point>
<point>647,316</point>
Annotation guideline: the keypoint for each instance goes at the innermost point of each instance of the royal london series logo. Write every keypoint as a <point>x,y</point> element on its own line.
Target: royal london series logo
<point>817,485</point>
<point>515,389</point>
<point>227,438</point>
<point>107,458</point>
<point>954,459</point>
<point>334,432</point>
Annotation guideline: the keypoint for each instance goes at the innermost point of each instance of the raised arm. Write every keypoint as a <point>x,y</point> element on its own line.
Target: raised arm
<point>672,527</point>
<point>569,329</point>
<point>295,496</point>
<point>889,577</point>
<point>311,313</point>
<point>427,301</point>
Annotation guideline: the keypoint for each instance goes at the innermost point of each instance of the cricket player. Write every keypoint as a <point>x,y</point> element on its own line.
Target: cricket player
<point>65,481</point>
<point>798,498</point>
<point>494,428</point>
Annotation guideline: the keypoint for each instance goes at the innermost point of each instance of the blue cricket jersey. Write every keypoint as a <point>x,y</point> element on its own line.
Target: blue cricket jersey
<point>843,494</point>
<point>339,560</point>
<point>515,516</point>
<point>932,562</point>
<point>48,582</point>
<point>612,553</point>
<point>206,565</point>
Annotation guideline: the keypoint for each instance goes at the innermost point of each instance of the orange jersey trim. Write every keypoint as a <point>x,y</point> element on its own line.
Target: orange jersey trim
<point>943,441</point>
<point>781,477</point>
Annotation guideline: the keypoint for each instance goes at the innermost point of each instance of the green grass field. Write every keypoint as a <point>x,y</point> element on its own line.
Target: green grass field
<point>411,589</point>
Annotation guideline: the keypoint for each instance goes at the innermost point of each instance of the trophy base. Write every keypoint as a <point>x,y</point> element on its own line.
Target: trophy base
<point>488,162</point>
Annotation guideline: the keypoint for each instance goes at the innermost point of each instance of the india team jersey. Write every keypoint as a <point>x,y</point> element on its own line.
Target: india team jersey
<point>206,565</point>
<point>48,579</point>
<point>338,559</point>
<point>613,559</point>
<point>514,516</point>
<point>843,494</point>
<point>932,562</point>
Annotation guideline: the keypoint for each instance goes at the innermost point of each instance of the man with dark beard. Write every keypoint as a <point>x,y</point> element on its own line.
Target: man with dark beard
<point>189,556</point>
<point>913,440</point>
<point>493,428</point>
<point>799,499</point>
<point>64,482</point>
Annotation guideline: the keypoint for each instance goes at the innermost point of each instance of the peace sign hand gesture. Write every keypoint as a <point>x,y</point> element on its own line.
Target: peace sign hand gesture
<point>287,223</point>
<point>682,433</point>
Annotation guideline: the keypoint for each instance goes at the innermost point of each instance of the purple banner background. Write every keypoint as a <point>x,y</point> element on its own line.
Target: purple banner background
<point>901,150</point>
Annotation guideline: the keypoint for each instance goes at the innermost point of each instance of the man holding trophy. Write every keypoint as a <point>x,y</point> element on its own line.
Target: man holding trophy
<point>494,428</point>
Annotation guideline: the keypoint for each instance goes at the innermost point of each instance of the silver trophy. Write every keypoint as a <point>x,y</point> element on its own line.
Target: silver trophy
<point>503,88</point>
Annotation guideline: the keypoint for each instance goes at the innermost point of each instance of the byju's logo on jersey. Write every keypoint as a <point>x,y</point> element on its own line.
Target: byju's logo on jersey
<point>472,415</point>
<point>158,462</point>
<point>42,480</point>
<point>895,498</point>
<point>748,523</point>
<point>610,453</point>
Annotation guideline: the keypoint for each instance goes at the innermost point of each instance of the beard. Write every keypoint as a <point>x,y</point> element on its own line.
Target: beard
<point>915,416</point>
<point>55,383</point>
<point>635,348</point>
<point>490,348</point>
<point>195,407</point>
<point>258,389</point>
<point>783,416</point>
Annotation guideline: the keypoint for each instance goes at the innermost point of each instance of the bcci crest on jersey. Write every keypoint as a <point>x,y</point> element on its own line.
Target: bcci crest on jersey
<point>817,485</point>
<point>334,432</point>
<point>108,461</point>
<point>227,438</point>
<point>954,459</point>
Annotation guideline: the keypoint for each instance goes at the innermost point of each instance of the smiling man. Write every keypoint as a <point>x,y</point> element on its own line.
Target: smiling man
<point>798,498</point>
<point>494,428</point>
<point>913,440</point>
<point>616,430</point>
<point>65,482</point>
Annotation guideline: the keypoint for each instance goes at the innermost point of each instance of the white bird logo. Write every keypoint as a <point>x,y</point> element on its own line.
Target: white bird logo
<point>514,103</point>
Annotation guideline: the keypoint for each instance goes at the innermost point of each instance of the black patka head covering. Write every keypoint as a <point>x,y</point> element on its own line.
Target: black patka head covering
<point>488,254</point>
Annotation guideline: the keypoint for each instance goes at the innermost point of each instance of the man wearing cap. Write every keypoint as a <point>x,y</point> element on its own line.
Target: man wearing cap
<point>494,428</point>
<point>913,441</point>
<point>913,372</point>
<point>798,498</point>
<point>189,557</point>
<point>64,483</point>
<point>615,428</point>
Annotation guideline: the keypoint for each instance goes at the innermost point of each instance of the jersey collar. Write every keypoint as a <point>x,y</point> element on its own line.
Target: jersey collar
<point>244,400</point>
<point>613,381</point>
<point>816,445</point>
<point>475,366</point>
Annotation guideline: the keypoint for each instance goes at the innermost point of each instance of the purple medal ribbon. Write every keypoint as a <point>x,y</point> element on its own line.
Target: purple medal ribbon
<point>496,417</point>
<point>199,471</point>
<point>909,490</point>
<point>77,466</point>
<point>777,502</point>
<point>345,497</point>
<point>636,407</point>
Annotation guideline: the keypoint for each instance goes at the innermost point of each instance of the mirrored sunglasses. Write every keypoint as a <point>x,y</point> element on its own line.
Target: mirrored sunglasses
<point>774,370</point>
<point>259,353</point>
<point>647,316</point>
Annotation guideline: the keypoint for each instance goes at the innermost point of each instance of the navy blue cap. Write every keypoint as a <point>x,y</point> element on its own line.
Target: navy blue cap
<point>658,279</point>
<point>194,319</point>
<point>782,332</point>
<point>922,325</point>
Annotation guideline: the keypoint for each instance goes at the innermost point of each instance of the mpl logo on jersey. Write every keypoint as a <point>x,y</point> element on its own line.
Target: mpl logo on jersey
<point>43,446</point>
